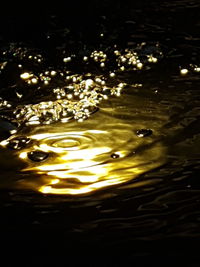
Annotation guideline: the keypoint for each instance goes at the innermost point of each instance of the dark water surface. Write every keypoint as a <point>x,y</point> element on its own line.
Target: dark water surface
<point>99,132</point>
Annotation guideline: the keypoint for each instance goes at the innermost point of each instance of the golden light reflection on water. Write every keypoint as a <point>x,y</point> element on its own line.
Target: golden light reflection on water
<point>81,161</point>
<point>103,149</point>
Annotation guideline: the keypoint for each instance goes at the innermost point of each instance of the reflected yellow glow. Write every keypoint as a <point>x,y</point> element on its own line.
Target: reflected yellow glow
<point>79,158</point>
<point>55,181</point>
<point>83,161</point>
<point>85,154</point>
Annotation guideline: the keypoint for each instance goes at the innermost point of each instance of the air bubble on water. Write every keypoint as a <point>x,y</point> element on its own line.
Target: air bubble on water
<point>115,156</point>
<point>67,59</point>
<point>144,132</point>
<point>112,74</point>
<point>34,80</point>
<point>25,75</point>
<point>197,69</point>
<point>85,58</point>
<point>37,155</point>
<point>53,73</point>
<point>184,71</point>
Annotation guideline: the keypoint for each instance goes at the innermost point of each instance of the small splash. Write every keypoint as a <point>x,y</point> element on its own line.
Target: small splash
<point>58,140</point>
<point>84,158</point>
<point>45,95</point>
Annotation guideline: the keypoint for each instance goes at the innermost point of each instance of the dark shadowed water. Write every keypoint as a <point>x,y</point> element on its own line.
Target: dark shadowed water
<point>99,131</point>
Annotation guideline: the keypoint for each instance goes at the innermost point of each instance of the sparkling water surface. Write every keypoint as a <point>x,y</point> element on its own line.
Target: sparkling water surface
<point>99,131</point>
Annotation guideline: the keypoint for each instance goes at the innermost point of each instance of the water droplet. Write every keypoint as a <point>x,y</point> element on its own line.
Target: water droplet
<point>37,155</point>
<point>25,75</point>
<point>115,156</point>
<point>144,132</point>
<point>184,71</point>
<point>18,142</point>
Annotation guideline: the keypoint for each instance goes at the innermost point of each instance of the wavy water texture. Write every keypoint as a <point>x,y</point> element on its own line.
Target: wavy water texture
<point>98,153</point>
<point>101,140</point>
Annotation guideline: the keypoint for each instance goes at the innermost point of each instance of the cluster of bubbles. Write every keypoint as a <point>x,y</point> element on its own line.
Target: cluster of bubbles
<point>76,100</point>
<point>192,68</point>
<point>4,103</point>
<point>62,94</point>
